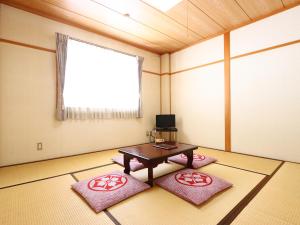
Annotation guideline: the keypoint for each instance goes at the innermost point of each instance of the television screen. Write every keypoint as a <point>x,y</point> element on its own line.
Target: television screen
<point>165,121</point>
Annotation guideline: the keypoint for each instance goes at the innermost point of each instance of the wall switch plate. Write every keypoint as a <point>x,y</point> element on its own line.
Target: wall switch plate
<point>39,146</point>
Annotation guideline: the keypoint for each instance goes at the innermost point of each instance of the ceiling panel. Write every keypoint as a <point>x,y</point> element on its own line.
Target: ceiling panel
<point>257,8</point>
<point>290,2</point>
<point>115,20</point>
<point>150,17</point>
<point>137,23</point>
<point>225,12</point>
<point>194,19</point>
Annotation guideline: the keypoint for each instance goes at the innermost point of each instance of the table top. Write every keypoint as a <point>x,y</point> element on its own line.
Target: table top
<point>147,151</point>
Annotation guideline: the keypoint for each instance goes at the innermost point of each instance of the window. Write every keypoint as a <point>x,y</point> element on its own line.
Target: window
<point>100,83</point>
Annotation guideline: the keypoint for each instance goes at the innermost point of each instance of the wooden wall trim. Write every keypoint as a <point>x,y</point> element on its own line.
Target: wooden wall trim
<point>153,73</point>
<point>52,51</point>
<point>27,45</point>
<point>227,92</point>
<point>266,49</point>
<point>196,67</point>
<point>167,73</point>
<point>235,57</point>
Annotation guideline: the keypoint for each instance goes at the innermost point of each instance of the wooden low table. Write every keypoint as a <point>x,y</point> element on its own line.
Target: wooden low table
<point>151,156</point>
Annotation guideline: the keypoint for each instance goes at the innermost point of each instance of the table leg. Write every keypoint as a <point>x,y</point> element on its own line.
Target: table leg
<point>126,164</point>
<point>150,176</point>
<point>189,156</point>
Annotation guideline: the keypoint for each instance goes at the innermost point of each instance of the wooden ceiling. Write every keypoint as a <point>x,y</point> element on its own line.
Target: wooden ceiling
<point>139,24</point>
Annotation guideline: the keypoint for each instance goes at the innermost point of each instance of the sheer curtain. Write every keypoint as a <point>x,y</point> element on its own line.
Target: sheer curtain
<point>101,83</point>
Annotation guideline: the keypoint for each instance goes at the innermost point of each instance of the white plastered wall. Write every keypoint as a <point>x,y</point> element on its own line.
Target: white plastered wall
<point>27,95</point>
<point>277,29</point>
<point>265,88</point>
<point>198,95</point>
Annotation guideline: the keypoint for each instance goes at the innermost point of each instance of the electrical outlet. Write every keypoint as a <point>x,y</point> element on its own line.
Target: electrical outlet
<point>39,146</point>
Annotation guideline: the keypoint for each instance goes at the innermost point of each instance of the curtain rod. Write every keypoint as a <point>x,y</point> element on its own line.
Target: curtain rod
<point>100,46</point>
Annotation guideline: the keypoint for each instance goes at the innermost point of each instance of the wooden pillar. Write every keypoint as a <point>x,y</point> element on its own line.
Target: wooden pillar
<point>227,92</point>
<point>170,83</point>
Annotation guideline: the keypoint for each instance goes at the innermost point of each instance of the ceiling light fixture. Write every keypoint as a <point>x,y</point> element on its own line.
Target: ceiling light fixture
<point>163,5</point>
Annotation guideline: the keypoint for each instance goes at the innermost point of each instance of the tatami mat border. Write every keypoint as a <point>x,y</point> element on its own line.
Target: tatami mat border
<point>245,201</point>
<point>70,173</point>
<point>222,150</point>
<point>111,217</point>
<point>240,168</point>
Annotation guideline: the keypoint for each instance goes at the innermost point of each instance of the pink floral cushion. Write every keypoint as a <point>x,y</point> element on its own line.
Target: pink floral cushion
<point>107,190</point>
<point>198,160</point>
<point>134,163</point>
<point>192,185</point>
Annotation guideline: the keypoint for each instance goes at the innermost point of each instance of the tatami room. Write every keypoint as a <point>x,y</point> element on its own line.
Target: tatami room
<point>149,112</point>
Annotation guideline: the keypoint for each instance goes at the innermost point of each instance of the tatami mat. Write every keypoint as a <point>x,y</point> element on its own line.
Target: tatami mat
<point>142,175</point>
<point>278,203</point>
<point>159,207</point>
<point>47,202</point>
<point>33,171</point>
<point>39,170</point>
<point>252,163</point>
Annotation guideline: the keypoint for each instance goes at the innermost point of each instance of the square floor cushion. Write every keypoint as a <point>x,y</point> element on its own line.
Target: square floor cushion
<point>198,160</point>
<point>134,163</point>
<point>192,185</point>
<point>107,190</point>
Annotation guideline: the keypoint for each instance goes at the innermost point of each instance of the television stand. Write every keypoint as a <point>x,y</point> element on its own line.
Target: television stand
<point>171,130</point>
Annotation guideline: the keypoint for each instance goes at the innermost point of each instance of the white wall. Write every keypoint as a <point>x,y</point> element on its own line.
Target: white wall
<point>197,96</point>
<point>265,88</point>
<point>198,102</point>
<point>280,28</point>
<point>265,93</point>
<point>266,104</point>
<point>199,54</point>
<point>27,95</point>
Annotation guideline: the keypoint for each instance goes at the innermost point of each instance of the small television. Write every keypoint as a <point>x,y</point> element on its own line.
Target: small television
<point>165,121</point>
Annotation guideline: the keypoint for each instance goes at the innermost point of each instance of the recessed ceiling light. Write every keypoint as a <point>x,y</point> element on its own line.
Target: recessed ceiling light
<point>163,5</point>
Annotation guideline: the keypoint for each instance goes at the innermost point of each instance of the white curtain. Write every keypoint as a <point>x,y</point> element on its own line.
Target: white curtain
<point>101,83</point>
